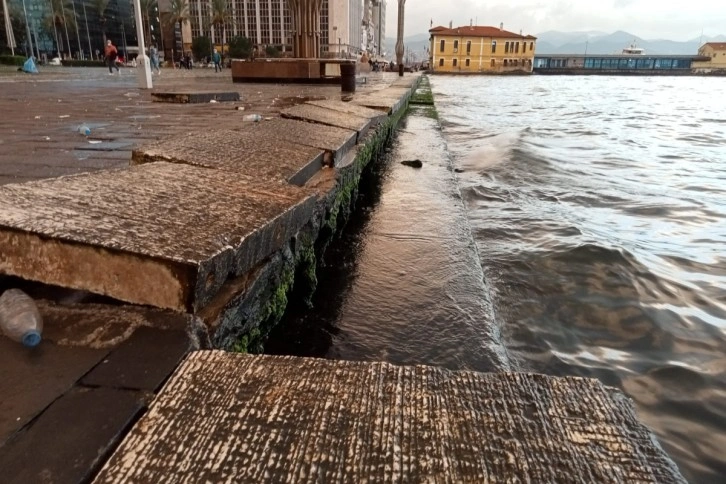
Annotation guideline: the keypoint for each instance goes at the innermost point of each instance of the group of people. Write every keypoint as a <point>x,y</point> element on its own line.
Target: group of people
<point>111,55</point>
<point>112,58</point>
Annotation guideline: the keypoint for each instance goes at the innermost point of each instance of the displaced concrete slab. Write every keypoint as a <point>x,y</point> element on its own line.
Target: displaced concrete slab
<point>284,419</point>
<point>71,439</point>
<point>334,141</point>
<point>246,151</point>
<point>329,117</point>
<point>376,116</point>
<point>389,100</point>
<point>33,378</point>
<point>162,234</point>
<point>142,362</point>
<point>183,97</point>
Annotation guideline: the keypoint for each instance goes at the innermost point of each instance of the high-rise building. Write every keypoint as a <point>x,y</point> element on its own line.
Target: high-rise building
<point>343,29</point>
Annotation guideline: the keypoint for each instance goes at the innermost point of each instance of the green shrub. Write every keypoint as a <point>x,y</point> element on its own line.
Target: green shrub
<point>272,51</point>
<point>82,63</point>
<point>239,48</point>
<point>10,60</point>
<point>201,47</point>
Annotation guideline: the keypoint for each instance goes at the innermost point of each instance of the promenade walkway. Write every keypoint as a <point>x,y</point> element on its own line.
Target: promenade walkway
<point>135,266</point>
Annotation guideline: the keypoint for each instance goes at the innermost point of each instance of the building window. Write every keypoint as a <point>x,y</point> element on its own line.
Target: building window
<point>494,46</point>
<point>506,48</point>
<point>453,63</point>
<point>494,63</point>
<point>468,47</point>
<point>505,62</point>
<point>443,45</point>
<point>467,62</point>
<point>524,47</point>
<point>456,46</point>
<point>441,62</point>
<point>531,46</point>
<point>516,51</point>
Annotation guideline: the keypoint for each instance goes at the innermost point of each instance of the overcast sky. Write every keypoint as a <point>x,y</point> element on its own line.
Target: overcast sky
<point>649,19</point>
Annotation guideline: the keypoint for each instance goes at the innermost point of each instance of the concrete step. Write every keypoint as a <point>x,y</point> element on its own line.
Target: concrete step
<point>285,419</point>
<point>160,234</point>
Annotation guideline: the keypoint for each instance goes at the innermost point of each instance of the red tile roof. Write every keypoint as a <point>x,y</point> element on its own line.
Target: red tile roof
<point>479,31</point>
<point>716,45</point>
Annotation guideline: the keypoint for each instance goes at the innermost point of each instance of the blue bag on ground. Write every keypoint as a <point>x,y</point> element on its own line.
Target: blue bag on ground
<point>29,66</point>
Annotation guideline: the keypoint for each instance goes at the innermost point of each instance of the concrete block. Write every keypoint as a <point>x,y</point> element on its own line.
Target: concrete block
<point>336,142</point>
<point>193,97</point>
<point>160,234</point>
<point>253,152</point>
<point>329,117</point>
<point>229,417</point>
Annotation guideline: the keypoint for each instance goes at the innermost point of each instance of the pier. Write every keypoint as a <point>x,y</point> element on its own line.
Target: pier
<point>189,243</point>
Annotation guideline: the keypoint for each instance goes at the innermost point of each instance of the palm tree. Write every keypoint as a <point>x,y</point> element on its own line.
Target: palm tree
<point>147,6</point>
<point>178,14</point>
<point>100,7</point>
<point>59,18</point>
<point>220,16</point>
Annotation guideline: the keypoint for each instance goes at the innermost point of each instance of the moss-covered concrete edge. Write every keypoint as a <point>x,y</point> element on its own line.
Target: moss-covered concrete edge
<point>289,277</point>
<point>423,100</point>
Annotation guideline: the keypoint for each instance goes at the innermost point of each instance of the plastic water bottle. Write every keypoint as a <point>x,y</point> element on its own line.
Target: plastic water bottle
<point>19,318</point>
<point>84,130</point>
<point>255,118</point>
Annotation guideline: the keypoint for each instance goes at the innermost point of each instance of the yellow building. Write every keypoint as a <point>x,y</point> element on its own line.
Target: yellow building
<point>478,49</point>
<point>716,52</point>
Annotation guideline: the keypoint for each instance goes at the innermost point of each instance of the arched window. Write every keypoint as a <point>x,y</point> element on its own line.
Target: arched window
<point>505,62</point>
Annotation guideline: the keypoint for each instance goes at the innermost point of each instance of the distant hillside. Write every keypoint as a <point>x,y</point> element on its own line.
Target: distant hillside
<point>416,44</point>
<point>554,42</point>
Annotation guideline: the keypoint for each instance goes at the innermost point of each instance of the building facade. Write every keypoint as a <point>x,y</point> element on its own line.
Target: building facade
<point>716,62</point>
<point>269,23</point>
<point>79,31</point>
<point>480,49</point>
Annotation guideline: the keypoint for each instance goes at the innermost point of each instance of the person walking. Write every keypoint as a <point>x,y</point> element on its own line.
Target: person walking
<point>111,53</point>
<point>154,58</point>
<point>217,59</point>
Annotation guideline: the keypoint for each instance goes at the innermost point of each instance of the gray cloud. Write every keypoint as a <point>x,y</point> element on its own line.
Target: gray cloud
<point>646,18</point>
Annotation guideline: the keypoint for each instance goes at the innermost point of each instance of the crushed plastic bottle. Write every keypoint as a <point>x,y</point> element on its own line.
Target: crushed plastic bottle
<point>84,130</point>
<point>19,318</point>
<point>255,118</point>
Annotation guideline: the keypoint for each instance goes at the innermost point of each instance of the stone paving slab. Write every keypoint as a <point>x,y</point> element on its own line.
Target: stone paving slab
<point>234,418</point>
<point>70,441</point>
<point>249,151</point>
<point>33,378</point>
<point>329,117</point>
<point>194,97</point>
<point>142,362</point>
<point>161,234</point>
<point>375,116</point>
<point>336,142</point>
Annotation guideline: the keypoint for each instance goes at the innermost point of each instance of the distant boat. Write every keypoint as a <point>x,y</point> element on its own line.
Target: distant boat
<point>633,50</point>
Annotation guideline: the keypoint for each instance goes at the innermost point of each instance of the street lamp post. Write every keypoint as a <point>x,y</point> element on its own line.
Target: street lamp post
<point>399,41</point>
<point>143,66</point>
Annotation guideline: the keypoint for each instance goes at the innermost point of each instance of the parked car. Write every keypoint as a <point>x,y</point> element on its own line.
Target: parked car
<point>55,61</point>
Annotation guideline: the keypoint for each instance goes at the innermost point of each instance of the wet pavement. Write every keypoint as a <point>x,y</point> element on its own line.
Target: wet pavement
<point>39,137</point>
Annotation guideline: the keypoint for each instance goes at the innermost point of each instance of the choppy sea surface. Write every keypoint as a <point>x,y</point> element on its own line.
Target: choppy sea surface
<point>597,207</point>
